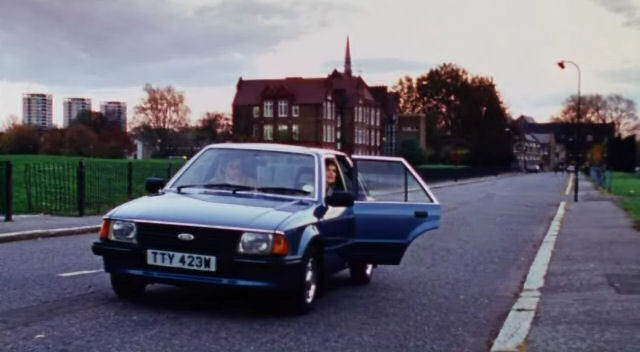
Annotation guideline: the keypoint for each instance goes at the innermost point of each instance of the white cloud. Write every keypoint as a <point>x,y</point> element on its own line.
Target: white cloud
<point>515,42</point>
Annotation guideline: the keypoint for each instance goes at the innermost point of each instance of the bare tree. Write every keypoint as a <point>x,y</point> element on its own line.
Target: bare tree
<point>162,108</point>
<point>594,108</point>
<point>10,122</point>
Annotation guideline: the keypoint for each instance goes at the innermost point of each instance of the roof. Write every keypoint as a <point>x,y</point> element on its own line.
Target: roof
<point>544,138</point>
<point>275,147</point>
<point>305,90</point>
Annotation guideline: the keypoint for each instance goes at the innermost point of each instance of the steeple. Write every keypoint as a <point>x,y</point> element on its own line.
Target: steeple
<point>347,60</point>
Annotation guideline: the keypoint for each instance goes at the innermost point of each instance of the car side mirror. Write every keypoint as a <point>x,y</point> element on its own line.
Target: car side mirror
<point>153,184</point>
<point>340,199</point>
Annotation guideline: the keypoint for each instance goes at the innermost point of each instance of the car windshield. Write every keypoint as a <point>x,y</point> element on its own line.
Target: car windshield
<point>282,173</point>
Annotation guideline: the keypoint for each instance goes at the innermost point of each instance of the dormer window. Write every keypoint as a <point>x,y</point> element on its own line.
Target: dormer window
<point>283,108</point>
<point>267,109</point>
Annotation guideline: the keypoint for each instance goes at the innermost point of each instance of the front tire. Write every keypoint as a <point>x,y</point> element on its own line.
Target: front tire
<point>127,287</point>
<point>306,294</point>
<point>361,273</point>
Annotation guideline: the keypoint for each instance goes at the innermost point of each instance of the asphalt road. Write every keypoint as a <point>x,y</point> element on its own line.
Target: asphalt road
<point>451,292</point>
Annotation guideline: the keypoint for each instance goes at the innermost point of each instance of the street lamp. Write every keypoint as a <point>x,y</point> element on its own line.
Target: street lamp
<point>561,64</point>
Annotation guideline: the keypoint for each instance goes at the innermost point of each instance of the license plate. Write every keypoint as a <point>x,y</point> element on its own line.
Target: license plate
<point>181,260</point>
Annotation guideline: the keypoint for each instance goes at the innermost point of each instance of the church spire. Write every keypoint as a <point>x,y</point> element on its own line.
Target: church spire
<point>347,60</point>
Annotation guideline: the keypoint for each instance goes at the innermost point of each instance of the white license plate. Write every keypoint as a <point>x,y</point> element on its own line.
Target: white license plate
<point>181,260</point>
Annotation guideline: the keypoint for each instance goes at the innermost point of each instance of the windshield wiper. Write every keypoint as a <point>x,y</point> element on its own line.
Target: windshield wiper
<point>284,190</point>
<point>233,187</point>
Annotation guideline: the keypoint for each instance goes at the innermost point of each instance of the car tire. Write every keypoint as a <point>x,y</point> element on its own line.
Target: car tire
<point>361,273</point>
<point>127,287</point>
<point>308,286</point>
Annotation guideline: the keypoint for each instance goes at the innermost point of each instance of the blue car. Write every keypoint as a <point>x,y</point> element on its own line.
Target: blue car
<point>267,216</point>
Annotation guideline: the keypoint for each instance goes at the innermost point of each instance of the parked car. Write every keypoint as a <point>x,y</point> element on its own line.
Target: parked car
<point>271,226</point>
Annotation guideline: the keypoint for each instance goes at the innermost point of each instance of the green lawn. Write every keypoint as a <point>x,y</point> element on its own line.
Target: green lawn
<point>52,181</point>
<point>627,186</point>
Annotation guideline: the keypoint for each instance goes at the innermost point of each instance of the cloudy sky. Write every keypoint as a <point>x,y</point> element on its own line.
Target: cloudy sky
<point>108,50</point>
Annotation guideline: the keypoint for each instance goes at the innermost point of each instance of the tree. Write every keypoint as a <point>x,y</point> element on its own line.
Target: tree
<point>408,99</point>
<point>21,139</point>
<point>10,122</point>
<point>463,112</point>
<point>214,124</point>
<point>163,108</point>
<point>595,108</point>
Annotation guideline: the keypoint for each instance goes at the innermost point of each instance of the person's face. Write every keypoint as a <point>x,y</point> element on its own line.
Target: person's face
<point>233,169</point>
<point>332,172</point>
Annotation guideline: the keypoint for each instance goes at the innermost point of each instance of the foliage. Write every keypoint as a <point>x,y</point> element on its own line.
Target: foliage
<point>20,139</point>
<point>410,150</point>
<point>162,108</point>
<point>463,112</point>
<point>595,108</point>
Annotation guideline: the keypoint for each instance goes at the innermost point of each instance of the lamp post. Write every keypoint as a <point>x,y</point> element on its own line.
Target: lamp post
<point>561,64</point>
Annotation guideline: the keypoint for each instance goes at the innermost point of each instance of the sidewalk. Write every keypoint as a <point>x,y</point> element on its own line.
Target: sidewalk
<point>37,226</point>
<point>591,296</point>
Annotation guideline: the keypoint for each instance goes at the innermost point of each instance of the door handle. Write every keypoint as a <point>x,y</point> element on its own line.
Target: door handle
<point>421,214</point>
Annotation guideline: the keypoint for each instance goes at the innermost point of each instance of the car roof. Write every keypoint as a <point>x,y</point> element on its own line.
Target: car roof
<point>276,148</point>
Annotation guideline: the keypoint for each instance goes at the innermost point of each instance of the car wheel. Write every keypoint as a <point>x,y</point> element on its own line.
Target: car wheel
<point>306,293</point>
<point>127,287</point>
<point>361,273</point>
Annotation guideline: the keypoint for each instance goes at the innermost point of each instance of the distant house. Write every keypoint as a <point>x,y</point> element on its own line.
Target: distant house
<point>558,138</point>
<point>528,152</point>
<point>339,111</point>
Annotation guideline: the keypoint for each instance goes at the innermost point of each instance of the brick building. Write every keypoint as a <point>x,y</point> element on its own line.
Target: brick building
<point>339,111</point>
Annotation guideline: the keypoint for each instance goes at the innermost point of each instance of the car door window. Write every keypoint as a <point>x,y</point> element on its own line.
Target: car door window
<point>390,181</point>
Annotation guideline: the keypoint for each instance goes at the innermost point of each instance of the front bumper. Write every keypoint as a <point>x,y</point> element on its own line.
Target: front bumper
<point>270,273</point>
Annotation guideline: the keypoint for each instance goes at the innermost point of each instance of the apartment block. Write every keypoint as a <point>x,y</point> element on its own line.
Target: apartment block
<point>37,110</point>
<point>72,107</point>
<point>115,111</point>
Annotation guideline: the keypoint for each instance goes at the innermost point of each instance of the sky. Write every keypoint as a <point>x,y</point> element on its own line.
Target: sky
<point>108,50</point>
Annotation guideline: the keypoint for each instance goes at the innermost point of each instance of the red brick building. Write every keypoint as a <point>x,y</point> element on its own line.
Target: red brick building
<point>338,111</point>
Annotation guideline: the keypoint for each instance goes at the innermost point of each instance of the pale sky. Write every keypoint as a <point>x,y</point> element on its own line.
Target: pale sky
<point>108,50</point>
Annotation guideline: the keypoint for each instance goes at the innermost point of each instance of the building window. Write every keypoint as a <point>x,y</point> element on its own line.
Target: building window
<point>283,107</point>
<point>283,130</point>
<point>256,111</point>
<point>267,109</point>
<point>267,132</point>
<point>256,131</point>
<point>295,110</point>
<point>295,133</point>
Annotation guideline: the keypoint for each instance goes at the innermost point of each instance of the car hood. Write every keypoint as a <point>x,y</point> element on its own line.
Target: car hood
<point>240,210</point>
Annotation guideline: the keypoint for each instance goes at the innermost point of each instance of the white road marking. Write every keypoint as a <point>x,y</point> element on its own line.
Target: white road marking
<point>569,185</point>
<point>518,323</point>
<point>84,272</point>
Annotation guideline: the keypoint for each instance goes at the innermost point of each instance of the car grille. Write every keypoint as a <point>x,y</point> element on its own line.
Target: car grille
<point>206,240</point>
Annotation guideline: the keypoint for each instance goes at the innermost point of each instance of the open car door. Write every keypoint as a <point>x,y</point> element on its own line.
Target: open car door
<point>395,209</point>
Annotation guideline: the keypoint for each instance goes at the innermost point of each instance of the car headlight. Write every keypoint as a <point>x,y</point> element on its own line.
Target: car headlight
<point>263,243</point>
<point>124,231</point>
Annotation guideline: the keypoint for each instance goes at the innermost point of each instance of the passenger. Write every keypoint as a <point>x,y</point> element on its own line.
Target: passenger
<point>331,174</point>
<point>234,173</point>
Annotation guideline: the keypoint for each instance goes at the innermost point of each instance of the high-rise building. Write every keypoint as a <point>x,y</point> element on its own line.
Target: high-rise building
<point>115,111</point>
<point>73,106</point>
<point>37,110</point>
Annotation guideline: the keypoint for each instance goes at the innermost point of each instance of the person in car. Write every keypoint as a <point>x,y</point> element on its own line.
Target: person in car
<point>233,172</point>
<point>331,174</point>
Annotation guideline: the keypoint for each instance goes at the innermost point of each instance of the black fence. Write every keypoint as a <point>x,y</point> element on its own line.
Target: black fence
<point>6,189</point>
<point>87,188</point>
